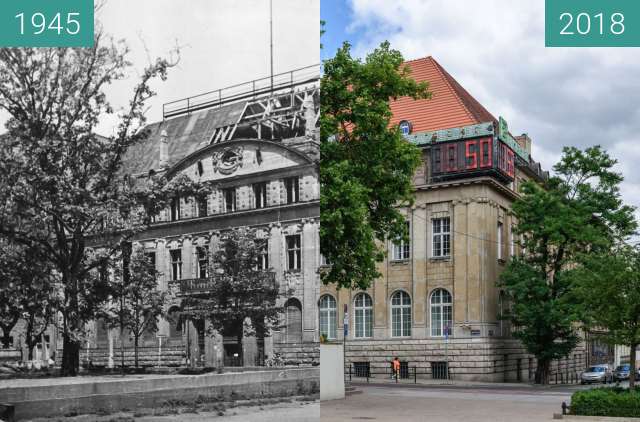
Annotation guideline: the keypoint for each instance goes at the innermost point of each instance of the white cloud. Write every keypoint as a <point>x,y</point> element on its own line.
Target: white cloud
<point>495,48</point>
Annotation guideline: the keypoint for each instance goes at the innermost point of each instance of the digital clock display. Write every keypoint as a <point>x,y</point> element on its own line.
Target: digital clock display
<point>481,155</point>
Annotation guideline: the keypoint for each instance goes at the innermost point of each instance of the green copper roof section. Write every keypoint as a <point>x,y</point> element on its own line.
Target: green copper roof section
<point>507,138</point>
<point>472,131</point>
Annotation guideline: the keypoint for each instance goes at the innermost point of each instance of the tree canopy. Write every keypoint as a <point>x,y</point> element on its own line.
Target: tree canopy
<point>65,188</point>
<point>608,288</point>
<point>241,294</point>
<point>366,166</point>
<point>577,212</point>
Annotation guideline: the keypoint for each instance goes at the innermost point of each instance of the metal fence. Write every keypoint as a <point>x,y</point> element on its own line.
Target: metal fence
<point>439,371</point>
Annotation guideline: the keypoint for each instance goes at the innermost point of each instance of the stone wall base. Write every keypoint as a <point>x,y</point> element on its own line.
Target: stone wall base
<point>477,359</point>
<point>112,395</point>
<point>299,353</point>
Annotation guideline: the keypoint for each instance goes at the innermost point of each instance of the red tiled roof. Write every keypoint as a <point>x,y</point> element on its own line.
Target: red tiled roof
<point>450,105</point>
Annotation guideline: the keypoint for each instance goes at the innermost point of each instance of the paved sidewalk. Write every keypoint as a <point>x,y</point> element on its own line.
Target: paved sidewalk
<point>379,380</point>
<point>447,404</point>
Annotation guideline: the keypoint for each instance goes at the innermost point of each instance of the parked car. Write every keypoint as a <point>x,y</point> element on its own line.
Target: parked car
<point>596,373</point>
<point>621,372</point>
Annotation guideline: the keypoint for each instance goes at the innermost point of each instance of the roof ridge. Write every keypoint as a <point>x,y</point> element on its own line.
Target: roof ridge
<point>444,75</point>
<point>419,59</point>
<point>456,87</point>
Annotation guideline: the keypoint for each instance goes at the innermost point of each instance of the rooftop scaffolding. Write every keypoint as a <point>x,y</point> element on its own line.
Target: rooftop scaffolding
<point>283,82</point>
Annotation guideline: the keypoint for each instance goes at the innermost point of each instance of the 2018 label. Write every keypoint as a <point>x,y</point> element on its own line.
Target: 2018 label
<point>582,23</point>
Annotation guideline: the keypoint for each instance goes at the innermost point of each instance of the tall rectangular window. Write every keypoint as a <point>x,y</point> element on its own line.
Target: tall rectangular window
<point>441,237</point>
<point>500,240</point>
<point>202,203</point>
<point>229,199</point>
<point>176,264</point>
<point>401,248</point>
<point>151,259</point>
<point>294,253</point>
<point>512,245</point>
<point>203,261</point>
<point>175,209</point>
<point>292,188</point>
<point>260,195</point>
<point>263,257</point>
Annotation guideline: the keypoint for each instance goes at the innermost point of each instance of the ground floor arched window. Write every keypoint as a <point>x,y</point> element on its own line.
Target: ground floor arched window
<point>293,315</point>
<point>400,314</point>
<point>363,309</point>
<point>441,312</point>
<point>328,316</point>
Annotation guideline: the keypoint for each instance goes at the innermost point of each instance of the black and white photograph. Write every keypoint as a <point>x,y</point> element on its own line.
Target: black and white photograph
<point>160,216</point>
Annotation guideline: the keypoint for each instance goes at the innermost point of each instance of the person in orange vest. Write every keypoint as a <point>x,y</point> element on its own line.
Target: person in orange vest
<point>396,367</point>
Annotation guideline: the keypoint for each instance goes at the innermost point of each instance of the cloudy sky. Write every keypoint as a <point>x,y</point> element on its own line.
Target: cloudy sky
<point>223,42</point>
<point>495,49</point>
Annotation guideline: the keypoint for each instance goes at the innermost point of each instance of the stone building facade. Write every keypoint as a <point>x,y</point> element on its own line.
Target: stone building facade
<point>258,149</point>
<point>437,304</point>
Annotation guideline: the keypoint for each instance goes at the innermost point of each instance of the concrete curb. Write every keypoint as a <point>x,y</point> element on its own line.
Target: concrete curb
<point>592,418</point>
<point>112,396</point>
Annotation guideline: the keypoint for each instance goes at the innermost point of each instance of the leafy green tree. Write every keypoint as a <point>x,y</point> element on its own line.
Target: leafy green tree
<point>64,188</point>
<point>28,292</point>
<point>239,289</point>
<point>136,301</point>
<point>575,213</point>
<point>366,165</point>
<point>608,287</point>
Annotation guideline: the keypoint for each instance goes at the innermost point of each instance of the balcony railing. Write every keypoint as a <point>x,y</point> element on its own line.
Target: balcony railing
<point>196,285</point>
<point>191,286</point>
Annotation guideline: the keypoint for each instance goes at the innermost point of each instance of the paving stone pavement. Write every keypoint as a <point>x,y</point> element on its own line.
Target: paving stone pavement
<point>452,404</point>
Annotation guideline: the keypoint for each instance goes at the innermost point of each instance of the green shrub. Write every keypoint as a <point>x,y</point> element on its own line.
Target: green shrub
<point>613,401</point>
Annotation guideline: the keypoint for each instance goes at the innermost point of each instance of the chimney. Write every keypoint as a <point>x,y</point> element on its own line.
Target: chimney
<point>309,117</point>
<point>164,149</point>
<point>525,142</point>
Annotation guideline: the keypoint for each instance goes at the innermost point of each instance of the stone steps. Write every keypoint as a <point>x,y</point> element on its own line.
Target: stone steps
<point>299,353</point>
<point>170,356</point>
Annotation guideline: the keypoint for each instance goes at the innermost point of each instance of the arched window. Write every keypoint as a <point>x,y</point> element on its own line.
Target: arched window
<point>328,316</point>
<point>364,315</point>
<point>441,312</point>
<point>102,333</point>
<point>400,314</point>
<point>175,323</point>
<point>293,313</point>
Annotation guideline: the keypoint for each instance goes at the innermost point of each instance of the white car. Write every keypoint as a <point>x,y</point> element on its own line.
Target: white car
<point>596,373</point>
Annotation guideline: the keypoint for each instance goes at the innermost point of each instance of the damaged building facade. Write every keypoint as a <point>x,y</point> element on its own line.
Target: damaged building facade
<point>257,146</point>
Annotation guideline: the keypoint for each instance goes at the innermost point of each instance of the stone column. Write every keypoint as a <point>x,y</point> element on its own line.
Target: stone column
<point>210,347</point>
<point>249,345</point>
<point>110,359</point>
<point>310,279</point>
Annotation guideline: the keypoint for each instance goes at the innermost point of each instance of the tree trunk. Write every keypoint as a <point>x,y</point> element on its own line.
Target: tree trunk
<point>30,347</point>
<point>122,348</point>
<point>29,337</point>
<point>135,349</point>
<point>240,351</point>
<point>632,365</point>
<point>70,357</point>
<point>70,347</point>
<point>542,372</point>
<point>6,337</point>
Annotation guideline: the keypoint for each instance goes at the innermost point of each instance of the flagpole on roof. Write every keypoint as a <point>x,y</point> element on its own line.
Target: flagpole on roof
<point>271,38</point>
